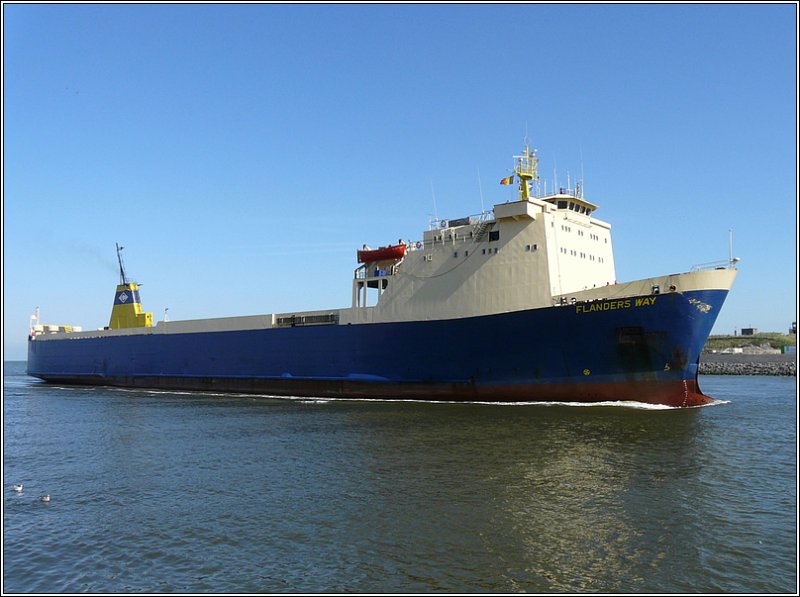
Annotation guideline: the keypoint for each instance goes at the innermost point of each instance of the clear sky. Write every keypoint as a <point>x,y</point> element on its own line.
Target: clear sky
<point>242,153</point>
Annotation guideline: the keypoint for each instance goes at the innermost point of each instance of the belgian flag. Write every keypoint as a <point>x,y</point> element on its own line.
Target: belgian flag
<point>507,180</point>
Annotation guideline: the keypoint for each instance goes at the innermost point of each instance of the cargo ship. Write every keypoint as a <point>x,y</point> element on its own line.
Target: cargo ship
<point>516,304</point>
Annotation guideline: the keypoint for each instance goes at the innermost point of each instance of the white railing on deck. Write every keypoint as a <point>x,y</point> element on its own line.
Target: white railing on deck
<point>723,264</point>
<point>444,224</point>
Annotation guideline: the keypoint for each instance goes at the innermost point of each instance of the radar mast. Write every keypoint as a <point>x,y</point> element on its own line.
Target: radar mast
<point>527,170</point>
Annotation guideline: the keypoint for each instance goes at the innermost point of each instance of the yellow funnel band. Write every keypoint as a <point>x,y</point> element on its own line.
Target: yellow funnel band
<point>127,311</point>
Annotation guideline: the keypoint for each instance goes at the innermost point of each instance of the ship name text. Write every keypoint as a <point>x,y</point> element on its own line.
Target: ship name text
<point>642,301</point>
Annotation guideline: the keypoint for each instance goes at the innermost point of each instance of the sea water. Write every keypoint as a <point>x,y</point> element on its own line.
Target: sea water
<point>192,492</point>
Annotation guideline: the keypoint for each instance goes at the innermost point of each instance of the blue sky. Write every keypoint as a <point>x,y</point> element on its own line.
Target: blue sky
<point>242,153</point>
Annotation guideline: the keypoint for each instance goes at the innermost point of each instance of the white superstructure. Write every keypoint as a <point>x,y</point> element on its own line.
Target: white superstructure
<point>530,251</point>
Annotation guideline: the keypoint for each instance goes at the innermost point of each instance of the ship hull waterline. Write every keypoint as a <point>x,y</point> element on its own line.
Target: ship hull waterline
<point>682,393</point>
<point>642,349</point>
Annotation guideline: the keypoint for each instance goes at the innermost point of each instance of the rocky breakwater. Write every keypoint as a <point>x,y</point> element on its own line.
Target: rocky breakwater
<point>715,363</point>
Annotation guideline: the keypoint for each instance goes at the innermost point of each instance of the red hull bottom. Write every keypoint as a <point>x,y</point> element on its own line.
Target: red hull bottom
<point>678,393</point>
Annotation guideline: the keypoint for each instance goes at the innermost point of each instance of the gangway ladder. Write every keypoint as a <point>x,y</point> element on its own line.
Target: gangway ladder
<point>480,230</point>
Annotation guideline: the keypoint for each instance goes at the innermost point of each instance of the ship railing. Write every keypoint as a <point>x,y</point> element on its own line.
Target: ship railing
<point>542,192</point>
<point>451,238</point>
<point>448,235</point>
<point>721,264</point>
<point>443,224</point>
<point>362,272</point>
<point>303,320</point>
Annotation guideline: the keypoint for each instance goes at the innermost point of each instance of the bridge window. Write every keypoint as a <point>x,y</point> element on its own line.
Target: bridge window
<point>494,235</point>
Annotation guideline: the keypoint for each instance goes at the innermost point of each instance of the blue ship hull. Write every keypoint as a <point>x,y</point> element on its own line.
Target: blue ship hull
<point>640,348</point>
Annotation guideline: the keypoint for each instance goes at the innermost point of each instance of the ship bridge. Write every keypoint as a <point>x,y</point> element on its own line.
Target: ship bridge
<point>570,201</point>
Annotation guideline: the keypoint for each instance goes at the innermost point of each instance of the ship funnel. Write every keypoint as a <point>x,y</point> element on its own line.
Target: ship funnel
<point>127,310</point>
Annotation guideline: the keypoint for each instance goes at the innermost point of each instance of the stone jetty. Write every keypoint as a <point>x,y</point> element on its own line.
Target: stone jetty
<point>713,363</point>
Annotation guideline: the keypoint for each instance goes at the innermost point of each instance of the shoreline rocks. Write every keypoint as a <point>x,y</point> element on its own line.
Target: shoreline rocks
<point>748,364</point>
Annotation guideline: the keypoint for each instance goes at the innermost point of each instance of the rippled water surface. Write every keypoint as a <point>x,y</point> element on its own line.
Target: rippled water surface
<point>189,492</point>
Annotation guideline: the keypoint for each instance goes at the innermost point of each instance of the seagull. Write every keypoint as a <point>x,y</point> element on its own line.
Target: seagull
<point>44,498</point>
<point>18,488</point>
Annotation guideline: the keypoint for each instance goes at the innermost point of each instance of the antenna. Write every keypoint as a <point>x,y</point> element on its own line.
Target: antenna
<point>34,318</point>
<point>480,188</point>
<point>583,182</point>
<point>123,279</point>
<point>555,175</point>
<point>732,261</point>
<point>435,211</point>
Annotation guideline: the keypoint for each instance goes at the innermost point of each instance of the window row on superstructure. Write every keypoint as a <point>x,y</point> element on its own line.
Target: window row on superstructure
<point>576,207</point>
<point>592,235</point>
<point>581,254</point>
